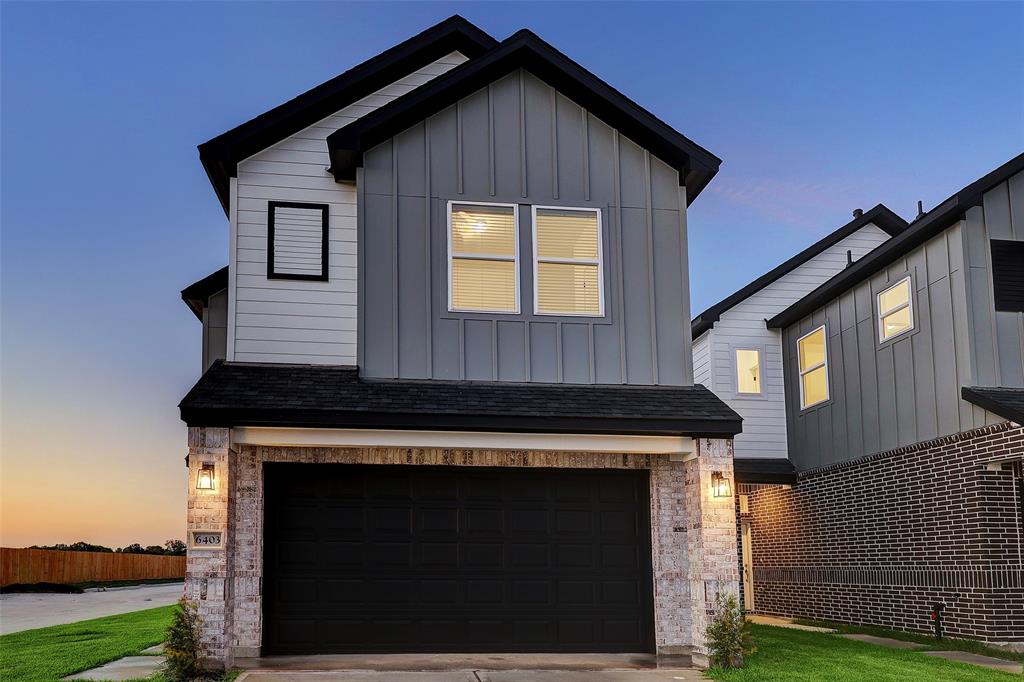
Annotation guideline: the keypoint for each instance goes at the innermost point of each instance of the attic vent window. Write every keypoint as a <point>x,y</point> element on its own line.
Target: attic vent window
<point>1008,275</point>
<point>297,236</point>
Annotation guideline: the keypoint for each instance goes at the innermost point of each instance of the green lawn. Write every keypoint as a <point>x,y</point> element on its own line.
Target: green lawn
<point>51,653</point>
<point>946,644</point>
<point>798,656</point>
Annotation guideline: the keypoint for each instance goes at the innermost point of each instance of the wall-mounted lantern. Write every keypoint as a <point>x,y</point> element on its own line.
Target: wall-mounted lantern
<point>720,485</point>
<point>204,481</point>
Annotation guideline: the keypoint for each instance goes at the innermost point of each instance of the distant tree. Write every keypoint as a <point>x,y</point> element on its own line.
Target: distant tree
<point>74,547</point>
<point>174,548</point>
<point>154,549</point>
<point>134,548</point>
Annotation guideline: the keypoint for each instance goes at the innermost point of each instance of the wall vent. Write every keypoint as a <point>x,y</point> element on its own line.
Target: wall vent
<point>1008,275</point>
<point>297,236</point>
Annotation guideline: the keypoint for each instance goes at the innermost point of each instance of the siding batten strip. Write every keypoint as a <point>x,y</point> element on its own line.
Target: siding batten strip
<point>554,146</point>
<point>458,145</point>
<point>651,293</point>
<point>586,154</point>
<point>522,136</point>
<point>620,276</point>
<point>361,274</point>
<point>490,137</point>
<point>428,299</point>
<point>395,270</point>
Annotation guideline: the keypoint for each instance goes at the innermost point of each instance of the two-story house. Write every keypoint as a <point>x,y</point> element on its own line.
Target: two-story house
<point>448,403</point>
<point>902,378</point>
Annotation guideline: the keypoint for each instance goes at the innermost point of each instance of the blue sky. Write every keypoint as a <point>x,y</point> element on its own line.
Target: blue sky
<point>816,109</point>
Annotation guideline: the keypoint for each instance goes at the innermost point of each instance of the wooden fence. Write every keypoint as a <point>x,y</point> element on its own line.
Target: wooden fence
<point>53,566</point>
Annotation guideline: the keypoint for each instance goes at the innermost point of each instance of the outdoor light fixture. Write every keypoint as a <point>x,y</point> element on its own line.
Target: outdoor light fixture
<point>205,479</point>
<point>720,486</point>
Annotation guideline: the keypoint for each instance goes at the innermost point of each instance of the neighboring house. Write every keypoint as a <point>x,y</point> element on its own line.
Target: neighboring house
<point>904,392</point>
<point>447,401</point>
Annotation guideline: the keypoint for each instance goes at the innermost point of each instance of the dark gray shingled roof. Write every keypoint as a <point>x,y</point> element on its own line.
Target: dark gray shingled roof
<point>1006,402</point>
<point>254,394</point>
<point>764,470</point>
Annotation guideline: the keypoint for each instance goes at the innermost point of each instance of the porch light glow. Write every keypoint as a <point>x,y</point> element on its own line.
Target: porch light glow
<point>720,486</point>
<point>205,479</point>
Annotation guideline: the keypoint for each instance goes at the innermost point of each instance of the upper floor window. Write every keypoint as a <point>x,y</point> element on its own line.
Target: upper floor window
<point>748,371</point>
<point>297,235</point>
<point>895,310</point>
<point>483,258</point>
<point>813,359</point>
<point>1008,275</point>
<point>568,277</point>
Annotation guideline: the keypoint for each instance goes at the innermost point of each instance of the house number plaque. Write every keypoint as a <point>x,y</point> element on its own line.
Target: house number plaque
<point>207,539</point>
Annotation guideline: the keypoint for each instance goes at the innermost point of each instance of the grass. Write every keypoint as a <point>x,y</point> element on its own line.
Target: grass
<point>799,656</point>
<point>51,653</point>
<point>933,644</point>
<point>130,583</point>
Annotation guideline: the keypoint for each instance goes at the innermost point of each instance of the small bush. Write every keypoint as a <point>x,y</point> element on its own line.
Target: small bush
<point>728,634</point>
<point>181,647</point>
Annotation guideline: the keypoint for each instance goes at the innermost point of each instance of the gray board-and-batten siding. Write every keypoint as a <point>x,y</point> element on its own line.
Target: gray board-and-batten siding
<point>519,141</point>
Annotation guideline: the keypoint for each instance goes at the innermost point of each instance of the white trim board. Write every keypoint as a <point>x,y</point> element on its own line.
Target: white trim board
<point>482,440</point>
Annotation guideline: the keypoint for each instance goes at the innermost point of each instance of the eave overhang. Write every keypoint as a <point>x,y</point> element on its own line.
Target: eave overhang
<point>197,295</point>
<point>524,49</point>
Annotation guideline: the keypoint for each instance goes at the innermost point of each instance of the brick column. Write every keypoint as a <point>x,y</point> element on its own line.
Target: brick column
<point>710,538</point>
<point>208,575</point>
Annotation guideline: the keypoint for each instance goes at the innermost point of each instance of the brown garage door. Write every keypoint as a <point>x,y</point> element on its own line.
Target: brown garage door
<point>455,559</point>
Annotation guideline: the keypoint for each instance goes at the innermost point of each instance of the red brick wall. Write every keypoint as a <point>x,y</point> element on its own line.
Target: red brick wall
<point>879,539</point>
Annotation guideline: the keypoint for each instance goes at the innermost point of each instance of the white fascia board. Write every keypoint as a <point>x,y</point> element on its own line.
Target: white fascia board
<point>482,440</point>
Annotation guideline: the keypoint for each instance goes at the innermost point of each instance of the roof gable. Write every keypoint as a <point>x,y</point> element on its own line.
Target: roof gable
<point>220,155</point>
<point>880,216</point>
<point>197,295</point>
<point>524,50</point>
<point>921,230</point>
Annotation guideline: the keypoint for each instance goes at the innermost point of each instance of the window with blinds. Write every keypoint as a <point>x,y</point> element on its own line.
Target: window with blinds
<point>483,255</point>
<point>297,236</point>
<point>567,249</point>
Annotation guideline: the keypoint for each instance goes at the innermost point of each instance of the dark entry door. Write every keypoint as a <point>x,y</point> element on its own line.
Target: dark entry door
<point>455,559</point>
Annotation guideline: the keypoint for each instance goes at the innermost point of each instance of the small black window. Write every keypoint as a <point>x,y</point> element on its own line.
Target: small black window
<point>297,241</point>
<point>1008,275</point>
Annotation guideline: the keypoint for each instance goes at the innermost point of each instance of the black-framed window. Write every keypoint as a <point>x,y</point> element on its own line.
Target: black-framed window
<point>1008,275</point>
<point>297,236</point>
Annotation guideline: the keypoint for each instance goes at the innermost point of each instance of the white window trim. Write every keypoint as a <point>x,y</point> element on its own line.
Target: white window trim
<point>882,314</point>
<point>470,256</point>
<point>824,363</point>
<point>736,372</point>
<point>573,261</point>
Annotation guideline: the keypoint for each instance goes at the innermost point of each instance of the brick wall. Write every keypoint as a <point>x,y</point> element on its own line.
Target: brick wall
<point>692,534</point>
<point>878,540</point>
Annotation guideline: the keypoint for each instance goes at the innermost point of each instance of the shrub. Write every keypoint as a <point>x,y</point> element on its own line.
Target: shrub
<point>728,634</point>
<point>181,646</point>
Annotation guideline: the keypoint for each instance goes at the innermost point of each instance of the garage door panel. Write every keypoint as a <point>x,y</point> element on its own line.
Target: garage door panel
<point>420,559</point>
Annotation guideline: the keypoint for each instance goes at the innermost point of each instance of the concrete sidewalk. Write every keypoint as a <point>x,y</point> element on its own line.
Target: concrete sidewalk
<point>29,611</point>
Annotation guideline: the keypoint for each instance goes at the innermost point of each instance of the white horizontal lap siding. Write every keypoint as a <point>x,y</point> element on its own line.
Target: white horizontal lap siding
<point>742,326</point>
<point>702,359</point>
<point>294,321</point>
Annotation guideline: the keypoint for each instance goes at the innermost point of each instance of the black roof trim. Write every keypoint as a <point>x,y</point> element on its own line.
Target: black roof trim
<point>932,223</point>
<point>880,215</point>
<point>197,295</point>
<point>220,155</point>
<point>524,49</point>
<point>318,396</point>
<point>763,470</point>
<point>1006,402</point>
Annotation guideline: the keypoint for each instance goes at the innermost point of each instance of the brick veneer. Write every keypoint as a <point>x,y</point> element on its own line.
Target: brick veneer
<point>878,540</point>
<point>692,544</point>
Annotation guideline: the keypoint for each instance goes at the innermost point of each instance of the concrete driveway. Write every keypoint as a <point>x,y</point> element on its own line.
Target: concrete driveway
<point>29,611</point>
<point>476,676</point>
